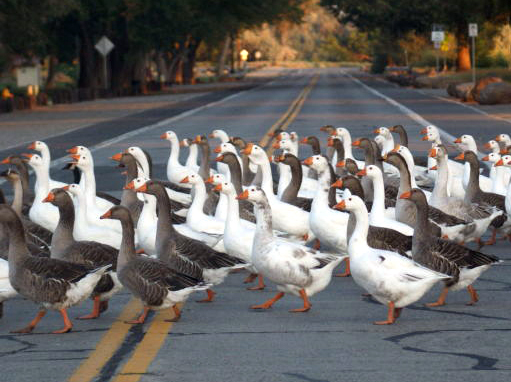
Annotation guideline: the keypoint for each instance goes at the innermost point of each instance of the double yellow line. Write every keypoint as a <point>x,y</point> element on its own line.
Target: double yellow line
<point>153,339</point>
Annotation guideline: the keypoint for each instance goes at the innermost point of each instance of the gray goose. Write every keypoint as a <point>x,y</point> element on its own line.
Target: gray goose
<point>248,175</point>
<point>290,194</point>
<point>22,167</point>
<point>52,283</point>
<point>246,208</point>
<point>349,165</point>
<point>153,281</point>
<point>205,172</point>
<point>89,253</point>
<point>406,211</point>
<point>38,237</point>
<point>215,265</point>
<point>474,194</point>
<point>377,237</point>
<point>403,141</point>
<point>338,147</point>
<point>463,264</point>
<point>330,130</point>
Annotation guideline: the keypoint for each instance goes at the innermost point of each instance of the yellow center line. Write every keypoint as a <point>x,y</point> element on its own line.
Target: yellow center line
<point>108,344</point>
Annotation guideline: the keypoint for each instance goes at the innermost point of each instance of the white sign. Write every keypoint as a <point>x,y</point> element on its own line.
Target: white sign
<point>28,75</point>
<point>437,36</point>
<point>472,30</point>
<point>104,46</point>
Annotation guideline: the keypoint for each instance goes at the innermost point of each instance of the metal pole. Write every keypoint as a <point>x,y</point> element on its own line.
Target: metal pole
<point>437,64</point>
<point>105,80</point>
<point>474,60</point>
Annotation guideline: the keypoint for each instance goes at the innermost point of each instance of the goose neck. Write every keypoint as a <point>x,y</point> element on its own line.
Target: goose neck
<point>204,168</point>
<point>233,215</point>
<point>17,202</point>
<point>473,182</point>
<point>42,182</point>
<point>193,153</point>
<point>359,236</point>
<point>442,180</point>
<point>127,249</point>
<point>174,150</point>
<point>63,236</point>
<point>378,208</point>
<point>17,244</point>
<point>264,232</point>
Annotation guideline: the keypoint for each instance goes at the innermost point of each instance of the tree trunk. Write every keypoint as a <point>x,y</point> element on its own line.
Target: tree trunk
<point>223,56</point>
<point>189,62</point>
<point>86,78</point>
<point>463,51</point>
<point>52,70</point>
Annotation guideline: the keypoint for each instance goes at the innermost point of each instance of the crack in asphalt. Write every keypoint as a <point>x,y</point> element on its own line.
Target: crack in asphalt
<point>303,377</point>
<point>26,345</point>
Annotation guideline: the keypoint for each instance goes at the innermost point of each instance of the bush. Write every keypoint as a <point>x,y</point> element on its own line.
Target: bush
<point>500,61</point>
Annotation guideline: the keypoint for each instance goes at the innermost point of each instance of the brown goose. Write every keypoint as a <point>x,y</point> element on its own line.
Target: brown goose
<point>215,265</point>
<point>22,167</point>
<point>463,264</point>
<point>403,140</point>
<point>205,172</point>
<point>52,283</point>
<point>338,147</point>
<point>89,253</point>
<point>349,165</point>
<point>474,194</point>
<point>290,194</point>
<point>313,141</point>
<point>152,281</point>
<point>248,174</point>
<point>38,237</point>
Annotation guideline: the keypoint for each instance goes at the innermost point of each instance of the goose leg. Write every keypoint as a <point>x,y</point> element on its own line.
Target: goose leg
<point>268,304</point>
<point>103,306</point>
<point>473,295</point>
<point>177,314</point>
<point>95,310</point>
<point>347,272</point>
<point>250,278</point>
<point>480,243</point>
<point>493,238</point>
<point>441,298</point>
<point>260,284</point>
<point>211,296</point>
<point>306,304</point>
<point>67,323</point>
<point>391,316</point>
<point>32,324</point>
<point>142,317</point>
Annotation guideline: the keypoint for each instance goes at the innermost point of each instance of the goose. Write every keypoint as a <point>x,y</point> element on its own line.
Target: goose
<point>89,253</point>
<point>155,282</point>
<point>286,217</point>
<point>144,161</point>
<point>193,154</point>
<point>467,142</point>
<point>377,216</point>
<point>42,148</point>
<point>408,157</point>
<point>22,168</point>
<point>504,140</point>
<point>420,162</point>
<point>336,145</point>
<point>238,239</point>
<point>226,147</point>
<point>220,135</point>
<point>6,290</point>
<point>221,207</point>
<point>205,172</point>
<point>249,169</point>
<point>462,264</point>
<point>51,283</point>
<point>474,194</point>
<point>330,151</point>
<point>37,236</point>
<point>175,170</point>
<point>129,199</point>
<point>494,147</point>
<point>293,143</point>
<point>290,193</point>
<point>502,175</point>
<point>215,265</point>
<point>88,227</point>
<point>482,217</point>
<point>41,213</point>
<point>344,135</point>
<point>390,278</point>
<point>388,139</point>
<point>295,269</point>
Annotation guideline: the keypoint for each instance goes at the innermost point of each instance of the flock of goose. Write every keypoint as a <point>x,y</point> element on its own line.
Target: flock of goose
<point>399,222</point>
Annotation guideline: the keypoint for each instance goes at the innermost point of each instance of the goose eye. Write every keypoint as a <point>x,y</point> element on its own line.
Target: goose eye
<point>349,199</point>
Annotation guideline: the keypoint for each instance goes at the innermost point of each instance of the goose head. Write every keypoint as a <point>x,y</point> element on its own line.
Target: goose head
<point>395,159</point>
<point>58,197</point>
<point>492,145</point>
<point>492,157</point>
<point>283,135</point>
<point>349,164</point>
<point>225,188</point>
<point>316,162</point>
<point>383,131</point>
<point>371,171</point>
<point>504,138</point>
<point>505,160</point>
<point>215,179</point>
<point>11,175</point>
<point>83,161</point>
<point>226,158</point>
<point>38,146</point>
<point>256,154</point>
<point>239,142</point>
<point>170,136</point>
<point>79,150</point>
<point>397,129</point>
<point>34,160</point>
<point>219,134</point>
<point>329,129</point>
<point>186,142</point>
<point>192,178</point>
<point>431,134</point>
<point>283,144</point>
<point>415,195</point>
<point>438,152</point>
<point>293,136</point>
<point>253,194</point>
<point>117,213</point>
<point>351,203</point>
<point>225,147</point>
<point>468,156</point>
<point>136,151</point>
<point>466,142</point>
<point>342,133</point>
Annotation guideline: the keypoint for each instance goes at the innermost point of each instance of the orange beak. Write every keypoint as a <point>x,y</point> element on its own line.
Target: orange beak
<point>27,155</point>
<point>117,157</point>
<point>486,158</point>
<point>303,140</point>
<point>487,145</point>
<point>340,164</point>
<point>362,172</point>
<point>432,153</point>
<point>6,160</point>
<point>181,143</point>
<point>197,139</point>
<point>72,150</point>
<point>279,137</point>
<point>276,145</point>
<point>395,149</point>
<point>243,195</point>
<point>356,143</point>
<point>163,136</point>
<point>31,146</point>
<point>424,131</point>
<point>185,180</point>
<point>211,135</point>
<point>330,142</point>
<point>219,158</point>
<point>307,161</point>
<point>405,195</point>
<point>460,157</point>
<point>248,149</point>
<point>218,149</point>
<point>218,187</point>
<point>106,215</point>
<point>341,205</point>
<point>75,157</point>
<point>337,184</point>
<point>66,187</point>
<point>503,152</point>
<point>425,138</point>
<point>376,131</point>
<point>271,134</point>
<point>142,188</point>
<point>435,167</point>
<point>457,140</point>
<point>49,198</point>
<point>500,162</point>
<point>384,157</point>
<point>497,138</point>
<point>209,180</point>
<point>130,186</point>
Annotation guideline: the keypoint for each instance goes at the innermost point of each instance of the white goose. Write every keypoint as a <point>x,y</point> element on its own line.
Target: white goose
<point>501,175</point>
<point>44,214</point>
<point>175,170</point>
<point>467,142</point>
<point>295,269</point>
<point>193,154</point>
<point>226,147</point>
<point>6,289</point>
<point>46,160</point>
<point>344,135</point>
<point>387,140</point>
<point>504,140</point>
<point>220,134</point>
<point>408,157</point>
<point>392,279</point>
<point>286,217</point>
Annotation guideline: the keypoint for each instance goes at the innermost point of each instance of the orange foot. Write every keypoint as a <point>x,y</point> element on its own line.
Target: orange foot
<point>65,329</point>
<point>211,296</point>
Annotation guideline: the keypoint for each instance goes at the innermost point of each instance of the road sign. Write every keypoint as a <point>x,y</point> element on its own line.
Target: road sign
<point>472,30</point>
<point>437,36</point>
<point>104,46</point>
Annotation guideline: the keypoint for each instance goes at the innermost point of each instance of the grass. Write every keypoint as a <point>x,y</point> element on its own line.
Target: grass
<point>505,74</point>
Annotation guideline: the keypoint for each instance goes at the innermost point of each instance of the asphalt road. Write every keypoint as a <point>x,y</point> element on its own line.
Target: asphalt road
<point>225,340</point>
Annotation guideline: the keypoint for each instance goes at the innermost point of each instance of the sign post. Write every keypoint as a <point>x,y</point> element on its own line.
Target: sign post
<point>437,36</point>
<point>104,46</point>
<point>472,32</point>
